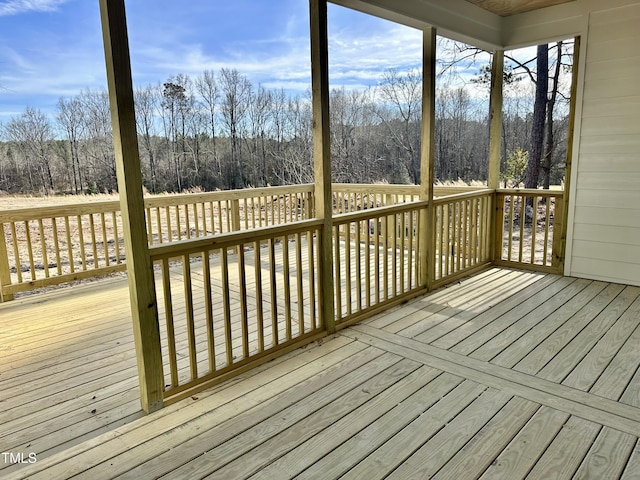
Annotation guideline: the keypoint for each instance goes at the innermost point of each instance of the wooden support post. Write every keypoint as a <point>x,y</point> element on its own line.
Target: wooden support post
<point>495,143</point>
<point>495,114</point>
<point>561,233</point>
<point>322,156</point>
<point>427,152</point>
<point>5,270</point>
<point>139,268</point>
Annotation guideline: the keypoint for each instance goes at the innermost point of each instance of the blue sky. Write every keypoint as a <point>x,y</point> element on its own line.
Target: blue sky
<point>53,48</point>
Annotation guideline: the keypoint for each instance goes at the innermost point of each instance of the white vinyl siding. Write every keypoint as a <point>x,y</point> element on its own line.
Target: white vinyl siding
<point>606,230</point>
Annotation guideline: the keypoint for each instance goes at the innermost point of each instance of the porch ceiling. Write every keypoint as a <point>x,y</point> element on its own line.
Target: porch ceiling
<point>506,8</point>
<point>488,24</point>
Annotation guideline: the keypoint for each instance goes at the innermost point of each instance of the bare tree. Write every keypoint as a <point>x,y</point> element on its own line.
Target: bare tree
<point>178,104</point>
<point>236,94</point>
<point>33,132</point>
<point>147,104</point>
<point>403,95</point>
<point>259,116</point>
<point>71,119</point>
<point>98,149</point>
<point>209,91</point>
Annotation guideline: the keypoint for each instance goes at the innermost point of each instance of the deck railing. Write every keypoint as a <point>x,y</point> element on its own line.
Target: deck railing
<point>52,245</point>
<point>40,247</point>
<point>528,227</point>
<point>47,246</point>
<point>240,297</point>
<point>376,258</point>
<point>239,274</point>
<point>462,234</point>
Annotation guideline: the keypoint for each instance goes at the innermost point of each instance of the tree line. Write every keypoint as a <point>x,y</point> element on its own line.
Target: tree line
<point>218,130</point>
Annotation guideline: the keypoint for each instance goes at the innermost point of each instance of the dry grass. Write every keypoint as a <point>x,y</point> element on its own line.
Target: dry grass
<point>10,202</point>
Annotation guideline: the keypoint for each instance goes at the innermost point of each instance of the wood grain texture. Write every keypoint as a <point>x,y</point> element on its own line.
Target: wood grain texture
<point>505,8</point>
<point>367,403</point>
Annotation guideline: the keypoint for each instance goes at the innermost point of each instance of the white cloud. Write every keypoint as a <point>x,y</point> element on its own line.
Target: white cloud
<point>16,7</point>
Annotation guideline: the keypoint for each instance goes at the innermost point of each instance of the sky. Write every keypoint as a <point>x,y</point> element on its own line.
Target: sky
<point>53,48</point>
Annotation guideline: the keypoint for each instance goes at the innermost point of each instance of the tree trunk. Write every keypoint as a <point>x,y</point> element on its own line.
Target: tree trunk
<point>538,120</point>
<point>550,141</point>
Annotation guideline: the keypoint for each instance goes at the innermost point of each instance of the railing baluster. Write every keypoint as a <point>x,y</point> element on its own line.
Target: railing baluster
<point>511,220</point>
<point>105,240</point>
<point>523,214</point>
<point>259,296</point>
<point>212,217</point>
<point>56,243</point>
<point>178,226</point>
<point>411,245</point>
<point>367,261</point>
<point>167,213</point>
<point>358,252</point>
<point>168,314</point>
<point>312,283</point>
<point>534,219</point>
<point>158,224</point>
<point>43,245</point>
<point>376,239</point>
<point>244,316</point>
<point>208,309</point>
<point>204,229</point>
<point>190,319</point>
<point>337,276</point>
<point>347,266</point>
<point>298,243</point>
<point>446,226</point>
<point>226,305</point>
<point>546,231</point>
<point>287,286</point>
<point>274,292</point>
<point>32,267</point>
<point>401,251</point>
<point>16,251</point>
<point>187,224</point>
<point>385,267</point>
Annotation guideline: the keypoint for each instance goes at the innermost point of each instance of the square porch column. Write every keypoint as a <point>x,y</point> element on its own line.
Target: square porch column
<point>495,144</point>
<point>427,156</point>
<point>142,291</point>
<point>322,156</point>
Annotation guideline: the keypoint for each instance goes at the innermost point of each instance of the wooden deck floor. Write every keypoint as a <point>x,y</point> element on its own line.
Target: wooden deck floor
<point>506,374</point>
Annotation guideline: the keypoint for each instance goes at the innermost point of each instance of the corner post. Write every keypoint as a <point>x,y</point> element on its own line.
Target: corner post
<point>322,156</point>
<point>561,233</point>
<point>427,154</point>
<point>495,143</point>
<point>5,270</point>
<point>142,292</point>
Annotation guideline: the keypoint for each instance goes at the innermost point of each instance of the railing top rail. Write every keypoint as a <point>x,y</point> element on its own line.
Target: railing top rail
<point>181,198</point>
<point>70,209</point>
<point>531,192</point>
<point>73,208</point>
<point>457,188</point>
<point>462,196</point>
<point>231,239</point>
<point>377,212</point>
<point>381,188</point>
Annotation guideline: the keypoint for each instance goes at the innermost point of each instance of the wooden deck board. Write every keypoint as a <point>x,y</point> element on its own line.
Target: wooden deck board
<point>503,375</point>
